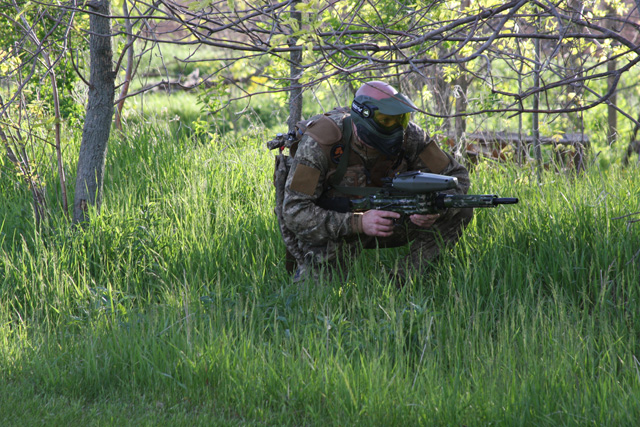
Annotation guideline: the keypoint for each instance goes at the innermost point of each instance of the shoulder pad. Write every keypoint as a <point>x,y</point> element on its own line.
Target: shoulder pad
<point>324,130</point>
<point>434,158</point>
<point>339,112</point>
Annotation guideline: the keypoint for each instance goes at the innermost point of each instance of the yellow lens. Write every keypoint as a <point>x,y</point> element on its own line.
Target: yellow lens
<point>391,122</point>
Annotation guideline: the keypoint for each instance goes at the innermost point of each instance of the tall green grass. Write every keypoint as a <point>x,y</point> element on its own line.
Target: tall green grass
<point>173,306</point>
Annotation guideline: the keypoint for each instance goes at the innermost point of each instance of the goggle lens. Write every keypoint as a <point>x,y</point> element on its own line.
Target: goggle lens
<point>391,122</point>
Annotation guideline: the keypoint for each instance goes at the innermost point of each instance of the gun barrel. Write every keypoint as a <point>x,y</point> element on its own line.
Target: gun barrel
<point>444,201</point>
<point>505,200</point>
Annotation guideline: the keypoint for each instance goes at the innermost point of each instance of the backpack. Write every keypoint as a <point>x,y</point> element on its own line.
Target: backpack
<point>283,161</point>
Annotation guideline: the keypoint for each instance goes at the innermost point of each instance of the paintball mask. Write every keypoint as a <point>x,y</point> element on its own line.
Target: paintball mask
<point>380,115</point>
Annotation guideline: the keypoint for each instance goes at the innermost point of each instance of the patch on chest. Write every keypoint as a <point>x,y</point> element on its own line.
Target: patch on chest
<point>336,152</point>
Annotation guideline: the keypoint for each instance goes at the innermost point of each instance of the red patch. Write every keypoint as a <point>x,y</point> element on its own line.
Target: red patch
<point>336,152</point>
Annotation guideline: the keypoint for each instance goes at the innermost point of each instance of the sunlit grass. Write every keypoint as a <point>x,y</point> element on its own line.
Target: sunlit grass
<point>173,306</point>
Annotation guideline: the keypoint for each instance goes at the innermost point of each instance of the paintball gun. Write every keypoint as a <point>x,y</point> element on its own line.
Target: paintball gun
<point>413,193</point>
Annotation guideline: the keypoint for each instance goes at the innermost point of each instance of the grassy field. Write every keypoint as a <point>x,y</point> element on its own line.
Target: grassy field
<point>173,306</point>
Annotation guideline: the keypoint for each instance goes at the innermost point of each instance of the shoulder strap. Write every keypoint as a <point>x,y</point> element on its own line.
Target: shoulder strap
<point>347,131</point>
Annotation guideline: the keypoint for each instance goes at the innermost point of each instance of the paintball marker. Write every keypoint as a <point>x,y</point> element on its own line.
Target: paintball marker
<point>414,193</point>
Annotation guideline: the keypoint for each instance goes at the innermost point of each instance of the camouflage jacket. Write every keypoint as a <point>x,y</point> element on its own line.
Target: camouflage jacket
<point>316,160</point>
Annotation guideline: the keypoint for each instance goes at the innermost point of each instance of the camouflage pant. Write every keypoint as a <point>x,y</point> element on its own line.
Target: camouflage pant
<point>425,245</point>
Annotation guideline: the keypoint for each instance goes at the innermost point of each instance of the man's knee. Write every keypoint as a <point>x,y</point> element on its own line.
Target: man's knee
<point>457,221</point>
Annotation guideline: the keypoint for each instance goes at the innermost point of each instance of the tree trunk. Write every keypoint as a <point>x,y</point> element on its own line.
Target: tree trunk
<point>295,70</point>
<point>536,103</point>
<point>442,91</point>
<point>612,112</point>
<point>460,123</point>
<point>460,95</point>
<point>130,66</point>
<point>97,125</point>
<point>633,147</point>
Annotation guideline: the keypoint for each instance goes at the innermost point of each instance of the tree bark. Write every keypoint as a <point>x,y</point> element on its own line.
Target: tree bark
<point>462,86</point>
<point>130,66</point>
<point>536,103</point>
<point>442,91</point>
<point>295,71</point>
<point>612,112</point>
<point>99,114</point>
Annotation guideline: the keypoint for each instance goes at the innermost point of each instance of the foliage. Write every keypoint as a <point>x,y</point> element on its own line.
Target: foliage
<point>480,57</point>
<point>46,25</point>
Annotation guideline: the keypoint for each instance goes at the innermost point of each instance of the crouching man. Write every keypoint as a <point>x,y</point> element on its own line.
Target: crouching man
<point>343,151</point>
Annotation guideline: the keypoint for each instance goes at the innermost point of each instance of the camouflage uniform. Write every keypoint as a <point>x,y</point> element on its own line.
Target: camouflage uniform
<point>329,238</point>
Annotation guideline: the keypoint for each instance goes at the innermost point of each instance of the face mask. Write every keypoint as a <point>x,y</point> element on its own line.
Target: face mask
<point>387,141</point>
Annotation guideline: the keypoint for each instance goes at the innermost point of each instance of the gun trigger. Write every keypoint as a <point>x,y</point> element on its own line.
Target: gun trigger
<point>397,222</point>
